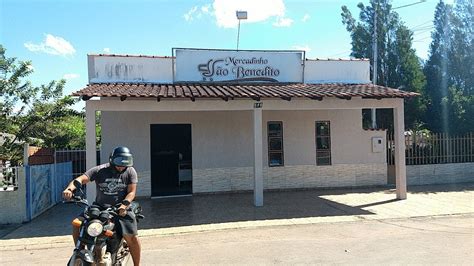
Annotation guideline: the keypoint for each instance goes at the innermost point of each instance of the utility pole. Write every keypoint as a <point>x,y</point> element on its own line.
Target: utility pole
<point>374,65</point>
<point>375,53</point>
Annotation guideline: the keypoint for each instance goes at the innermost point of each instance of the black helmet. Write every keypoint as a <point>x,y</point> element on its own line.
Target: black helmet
<point>121,156</point>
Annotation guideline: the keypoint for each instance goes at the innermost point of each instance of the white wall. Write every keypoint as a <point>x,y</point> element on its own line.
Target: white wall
<point>440,173</point>
<point>224,139</point>
<point>337,71</point>
<point>144,69</point>
<point>350,143</point>
<point>13,207</point>
<point>147,69</point>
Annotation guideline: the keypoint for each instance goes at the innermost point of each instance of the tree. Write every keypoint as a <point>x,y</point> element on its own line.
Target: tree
<point>65,131</point>
<point>398,65</point>
<point>450,69</point>
<point>461,63</point>
<point>30,113</point>
<point>436,69</point>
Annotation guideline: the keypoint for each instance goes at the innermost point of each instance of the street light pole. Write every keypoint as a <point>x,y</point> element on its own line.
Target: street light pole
<point>240,15</point>
<point>238,35</point>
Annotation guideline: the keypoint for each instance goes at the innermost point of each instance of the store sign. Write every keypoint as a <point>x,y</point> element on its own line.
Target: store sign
<point>194,65</point>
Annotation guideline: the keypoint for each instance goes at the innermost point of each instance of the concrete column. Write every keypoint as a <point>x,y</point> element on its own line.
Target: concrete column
<point>26,154</point>
<point>91,154</point>
<point>258,158</point>
<point>400,167</point>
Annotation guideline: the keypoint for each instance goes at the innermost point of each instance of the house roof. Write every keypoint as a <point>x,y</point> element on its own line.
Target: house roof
<point>227,91</point>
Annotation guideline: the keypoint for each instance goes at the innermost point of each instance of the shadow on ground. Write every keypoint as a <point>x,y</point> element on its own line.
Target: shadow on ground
<point>202,209</point>
<point>222,208</point>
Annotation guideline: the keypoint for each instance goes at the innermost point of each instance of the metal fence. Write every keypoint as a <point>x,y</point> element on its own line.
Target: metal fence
<point>76,157</point>
<point>433,148</point>
<point>9,177</point>
<point>9,174</point>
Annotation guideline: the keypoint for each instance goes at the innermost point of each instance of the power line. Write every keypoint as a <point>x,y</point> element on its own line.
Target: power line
<point>424,28</point>
<point>426,22</point>
<point>419,40</point>
<point>345,52</point>
<point>412,4</point>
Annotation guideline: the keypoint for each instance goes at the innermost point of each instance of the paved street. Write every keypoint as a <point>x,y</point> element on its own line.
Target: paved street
<point>434,225</point>
<point>440,240</point>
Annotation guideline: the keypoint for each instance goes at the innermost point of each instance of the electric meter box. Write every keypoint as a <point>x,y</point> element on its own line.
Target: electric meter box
<point>377,144</point>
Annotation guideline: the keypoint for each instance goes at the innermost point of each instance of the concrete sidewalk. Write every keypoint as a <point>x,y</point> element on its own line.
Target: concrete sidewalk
<point>226,211</point>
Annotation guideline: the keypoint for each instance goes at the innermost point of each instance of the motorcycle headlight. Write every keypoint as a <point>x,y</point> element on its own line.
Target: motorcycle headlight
<point>94,229</point>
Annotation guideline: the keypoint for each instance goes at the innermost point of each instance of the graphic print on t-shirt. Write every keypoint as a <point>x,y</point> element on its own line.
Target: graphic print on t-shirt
<point>111,186</point>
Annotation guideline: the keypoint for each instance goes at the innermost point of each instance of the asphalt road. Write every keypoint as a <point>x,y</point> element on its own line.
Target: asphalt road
<point>439,240</point>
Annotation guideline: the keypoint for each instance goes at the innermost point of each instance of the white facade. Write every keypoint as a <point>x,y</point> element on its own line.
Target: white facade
<point>229,138</point>
<point>146,69</point>
<point>223,151</point>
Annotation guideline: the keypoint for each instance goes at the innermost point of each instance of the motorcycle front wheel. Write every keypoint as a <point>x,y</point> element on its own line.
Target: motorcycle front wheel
<point>123,256</point>
<point>76,261</point>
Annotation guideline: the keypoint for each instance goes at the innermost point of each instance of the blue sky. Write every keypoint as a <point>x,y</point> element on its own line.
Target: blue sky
<point>57,35</point>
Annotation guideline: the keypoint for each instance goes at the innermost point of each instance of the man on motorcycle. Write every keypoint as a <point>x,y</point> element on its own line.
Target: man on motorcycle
<point>116,182</point>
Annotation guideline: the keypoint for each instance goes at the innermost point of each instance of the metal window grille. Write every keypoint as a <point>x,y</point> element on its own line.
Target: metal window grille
<point>275,143</point>
<point>323,143</point>
<point>9,177</point>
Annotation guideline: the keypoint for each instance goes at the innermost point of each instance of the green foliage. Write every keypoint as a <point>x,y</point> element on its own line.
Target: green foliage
<point>64,131</point>
<point>450,69</point>
<point>34,114</point>
<point>397,63</point>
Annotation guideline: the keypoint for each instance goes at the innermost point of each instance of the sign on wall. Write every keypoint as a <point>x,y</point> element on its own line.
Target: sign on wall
<point>199,65</point>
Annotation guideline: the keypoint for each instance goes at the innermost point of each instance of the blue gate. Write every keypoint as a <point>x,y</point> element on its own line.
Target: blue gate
<point>44,185</point>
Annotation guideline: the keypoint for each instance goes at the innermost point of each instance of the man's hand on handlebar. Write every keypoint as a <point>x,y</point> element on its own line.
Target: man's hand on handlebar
<point>67,194</point>
<point>122,210</point>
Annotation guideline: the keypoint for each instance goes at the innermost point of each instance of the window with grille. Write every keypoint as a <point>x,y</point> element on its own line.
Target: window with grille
<point>275,143</point>
<point>323,143</point>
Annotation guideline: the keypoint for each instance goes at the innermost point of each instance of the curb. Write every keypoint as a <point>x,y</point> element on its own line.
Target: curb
<point>38,243</point>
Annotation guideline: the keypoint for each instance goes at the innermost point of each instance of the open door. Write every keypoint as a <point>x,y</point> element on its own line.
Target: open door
<point>171,160</point>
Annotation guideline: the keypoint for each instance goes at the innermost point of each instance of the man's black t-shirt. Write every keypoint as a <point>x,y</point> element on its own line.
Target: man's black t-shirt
<point>111,185</point>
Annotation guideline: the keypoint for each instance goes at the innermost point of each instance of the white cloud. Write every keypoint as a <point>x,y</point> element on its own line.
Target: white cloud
<point>305,17</point>
<point>197,12</point>
<point>52,45</point>
<point>261,10</point>
<point>302,47</point>
<point>189,16</point>
<point>224,12</point>
<point>107,50</point>
<point>283,22</point>
<point>71,76</point>
<point>205,9</point>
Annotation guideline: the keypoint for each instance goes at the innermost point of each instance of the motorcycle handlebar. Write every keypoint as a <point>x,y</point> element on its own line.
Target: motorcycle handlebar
<point>112,209</point>
<point>76,200</point>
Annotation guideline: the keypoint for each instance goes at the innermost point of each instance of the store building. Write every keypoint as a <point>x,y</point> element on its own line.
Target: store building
<point>224,120</point>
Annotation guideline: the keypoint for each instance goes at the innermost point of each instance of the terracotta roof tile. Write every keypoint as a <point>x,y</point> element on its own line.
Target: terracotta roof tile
<point>227,91</point>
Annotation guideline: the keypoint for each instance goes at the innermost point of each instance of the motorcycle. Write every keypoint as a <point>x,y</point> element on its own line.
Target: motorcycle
<point>98,242</point>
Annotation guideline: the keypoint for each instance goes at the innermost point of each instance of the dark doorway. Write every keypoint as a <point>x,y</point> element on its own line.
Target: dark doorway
<point>171,160</point>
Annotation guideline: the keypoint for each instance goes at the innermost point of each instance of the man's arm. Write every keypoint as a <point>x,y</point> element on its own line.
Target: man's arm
<point>69,191</point>
<point>131,191</point>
